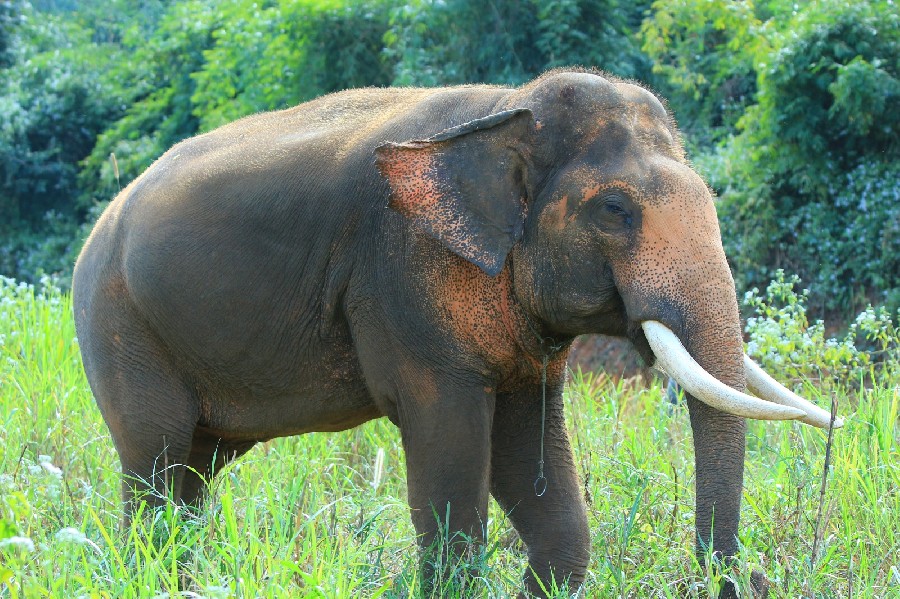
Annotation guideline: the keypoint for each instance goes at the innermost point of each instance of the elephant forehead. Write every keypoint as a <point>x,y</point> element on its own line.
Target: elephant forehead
<point>648,178</point>
<point>583,93</point>
<point>640,100</point>
<point>666,182</point>
<point>635,121</point>
<point>635,134</point>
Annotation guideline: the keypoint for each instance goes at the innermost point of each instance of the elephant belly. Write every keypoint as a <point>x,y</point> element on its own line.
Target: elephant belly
<point>291,397</point>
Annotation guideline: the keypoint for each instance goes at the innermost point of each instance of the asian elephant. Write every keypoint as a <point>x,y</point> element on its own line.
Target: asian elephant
<point>425,255</point>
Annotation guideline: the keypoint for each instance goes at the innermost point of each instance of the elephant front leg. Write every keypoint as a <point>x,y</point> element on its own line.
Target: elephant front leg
<point>554,525</point>
<point>446,439</point>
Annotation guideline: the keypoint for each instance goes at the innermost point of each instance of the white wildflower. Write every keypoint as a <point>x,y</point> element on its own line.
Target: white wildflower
<point>71,535</point>
<point>23,543</point>
<point>47,464</point>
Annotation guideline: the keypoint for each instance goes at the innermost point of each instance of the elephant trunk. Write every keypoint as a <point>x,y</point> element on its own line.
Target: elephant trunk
<point>719,437</point>
<point>708,330</point>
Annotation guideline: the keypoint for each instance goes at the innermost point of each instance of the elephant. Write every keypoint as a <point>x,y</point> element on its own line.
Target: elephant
<point>426,255</point>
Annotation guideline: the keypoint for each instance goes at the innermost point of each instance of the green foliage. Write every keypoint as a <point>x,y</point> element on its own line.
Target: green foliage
<point>814,170</point>
<point>207,64</point>
<point>53,102</point>
<point>324,514</point>
<point>784,342</point>
<point>703,51</point>
<point>160,86</point>
<point>55,98</point>
<point>49,251</point>
<point>264,58</point>
<point>823,97</point>
<point>846,243</point>
<point>9,14</point>
<point>463,41</point>
<point>806,162</point>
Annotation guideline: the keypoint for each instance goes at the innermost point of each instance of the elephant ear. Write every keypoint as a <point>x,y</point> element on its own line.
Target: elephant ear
<point>465,186</point>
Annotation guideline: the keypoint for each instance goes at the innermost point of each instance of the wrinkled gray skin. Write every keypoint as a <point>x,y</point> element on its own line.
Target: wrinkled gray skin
<point>314,268</point>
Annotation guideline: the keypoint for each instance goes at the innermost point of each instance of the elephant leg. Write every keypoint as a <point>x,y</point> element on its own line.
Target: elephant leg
<point>719,445</point>
<point>152,428</point>
<point>553,526</point>
<point>209,454</point>
<point>446,438</point>
<point>149,409</point>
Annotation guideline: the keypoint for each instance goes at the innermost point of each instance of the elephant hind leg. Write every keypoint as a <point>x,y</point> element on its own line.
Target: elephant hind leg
<point>209,455</point>
<point>152,432</point>
<point>150,409</point>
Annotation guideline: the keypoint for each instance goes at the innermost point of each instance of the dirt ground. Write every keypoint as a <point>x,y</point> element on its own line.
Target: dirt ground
<point>616,357</point>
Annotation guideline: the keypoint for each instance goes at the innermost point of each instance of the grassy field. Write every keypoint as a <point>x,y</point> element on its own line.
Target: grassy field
<point>324,515</point>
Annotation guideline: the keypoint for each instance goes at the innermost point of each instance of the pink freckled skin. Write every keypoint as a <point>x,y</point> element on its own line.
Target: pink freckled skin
<point>563,210</point>
<point>589,193</point>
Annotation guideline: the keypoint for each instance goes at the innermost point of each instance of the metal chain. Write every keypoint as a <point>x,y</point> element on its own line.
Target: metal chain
<point>548,347</point>
<point>540,483</point>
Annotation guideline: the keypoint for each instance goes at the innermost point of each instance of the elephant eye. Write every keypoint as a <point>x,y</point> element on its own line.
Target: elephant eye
<point>614,212</point>
<point>614,207</point>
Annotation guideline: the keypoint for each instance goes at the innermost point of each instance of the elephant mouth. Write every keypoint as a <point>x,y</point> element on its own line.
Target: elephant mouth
<point>773,401</point>
<point>635,334</point>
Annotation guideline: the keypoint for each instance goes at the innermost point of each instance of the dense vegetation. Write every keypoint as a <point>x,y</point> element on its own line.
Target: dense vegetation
<point>323,515</point>
<point>788,108</point>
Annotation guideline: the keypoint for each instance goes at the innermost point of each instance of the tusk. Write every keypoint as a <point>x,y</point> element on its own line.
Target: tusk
<point>679,364</point>
<point>765,387</point>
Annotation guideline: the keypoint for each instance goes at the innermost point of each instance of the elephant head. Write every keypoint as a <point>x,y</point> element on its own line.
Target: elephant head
<point>577,185</point>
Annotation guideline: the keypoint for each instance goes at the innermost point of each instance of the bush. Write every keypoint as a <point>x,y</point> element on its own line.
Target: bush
<point>51,251</point>
<point>810,182</point>
<point>9,14</point>
<point>703,62</point>
<point>270,57</point>
<point>53,103</point>
<point>159,85</point>
<point>206,65</point>
<point>784,342</point>
<point>465,41</point>
<point>55,98</point>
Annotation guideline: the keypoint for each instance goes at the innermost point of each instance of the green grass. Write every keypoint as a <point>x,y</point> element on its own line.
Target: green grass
<point>324,515</point>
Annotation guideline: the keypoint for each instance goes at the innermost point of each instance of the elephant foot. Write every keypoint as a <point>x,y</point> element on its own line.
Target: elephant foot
<point>759,587</point>
<point>452,568</point>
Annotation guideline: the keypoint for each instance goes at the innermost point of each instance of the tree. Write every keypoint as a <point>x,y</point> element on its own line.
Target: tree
<point>703,55</point>
<point>807,168</point>
<point>463,41</point>
<point>9,15</point>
